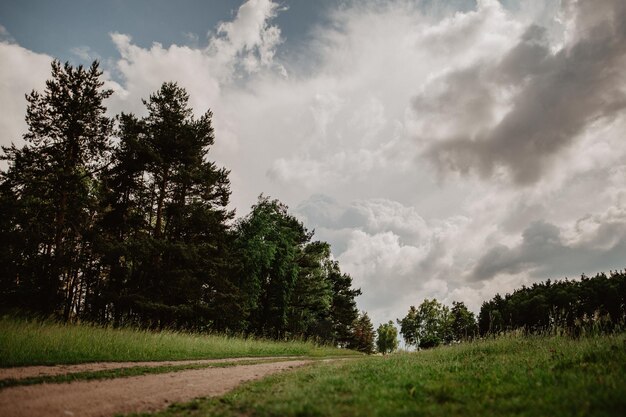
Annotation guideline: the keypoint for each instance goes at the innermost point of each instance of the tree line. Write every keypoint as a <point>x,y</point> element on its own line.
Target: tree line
<point>596,304</point>
<point>433,323</point>
<point>125,221</point>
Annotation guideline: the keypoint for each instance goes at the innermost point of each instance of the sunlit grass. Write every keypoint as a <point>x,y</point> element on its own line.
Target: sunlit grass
<point>509,376</point>
<point>34,342</point>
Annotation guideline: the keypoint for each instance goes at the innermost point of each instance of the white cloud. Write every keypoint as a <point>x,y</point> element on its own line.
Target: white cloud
<point>249,40</point>
<point>21,71</point>
<point>86,54</point>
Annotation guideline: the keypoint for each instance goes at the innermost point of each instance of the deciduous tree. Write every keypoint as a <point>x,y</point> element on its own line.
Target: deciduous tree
<point>387,338</point>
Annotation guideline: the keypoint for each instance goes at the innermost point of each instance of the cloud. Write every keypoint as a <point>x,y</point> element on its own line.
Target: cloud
<point>554,97</point>
<point>373,216</point>
<point>5,36</point>
<point>392,253</point>
<point>248,41</point>
<point>21,71</point>
<point>142,71</point>
<point>85,54</point>
<point>236,49</point>
<point>599,244</point>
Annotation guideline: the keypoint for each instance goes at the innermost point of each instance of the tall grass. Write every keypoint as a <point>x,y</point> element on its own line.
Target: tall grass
<point>33,342</point>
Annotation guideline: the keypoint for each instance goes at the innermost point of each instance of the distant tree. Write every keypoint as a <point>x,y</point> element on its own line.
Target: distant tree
<point>434,325</point>
<point>363,334</point>
<point>463,322</point>
<point>387,338</point>
<point>594,304</point>
<point>410,327</point>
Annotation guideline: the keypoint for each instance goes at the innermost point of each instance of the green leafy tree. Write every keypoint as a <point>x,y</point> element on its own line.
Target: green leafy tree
<point>290,286</point>
<point>363,334</point>
<point>270,242</point>
<point>435,326</point>
<point>427,326</point>
<point>463,322</point>
<point>387,338</point>
<point>410,327</point>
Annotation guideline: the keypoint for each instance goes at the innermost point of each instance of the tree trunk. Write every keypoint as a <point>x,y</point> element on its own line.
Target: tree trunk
<point>161,199</point>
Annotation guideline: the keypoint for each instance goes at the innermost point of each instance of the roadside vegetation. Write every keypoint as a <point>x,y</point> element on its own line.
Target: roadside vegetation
<point>25,342</point>
<point>512,375</point>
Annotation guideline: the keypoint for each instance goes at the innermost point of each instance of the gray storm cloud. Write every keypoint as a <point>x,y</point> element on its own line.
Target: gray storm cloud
<point>556,96</point>
<point>544,252</point>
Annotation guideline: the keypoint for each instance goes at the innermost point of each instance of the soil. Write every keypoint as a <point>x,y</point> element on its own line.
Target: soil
<point>105,398</point>
<point>36,371</point>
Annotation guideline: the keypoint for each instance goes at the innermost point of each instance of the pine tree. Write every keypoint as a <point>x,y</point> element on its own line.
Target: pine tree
<point>312,296</point>
<point>165,219</point>
<point>363,335</point>
<point>50,185</point>
<point>343,309</point>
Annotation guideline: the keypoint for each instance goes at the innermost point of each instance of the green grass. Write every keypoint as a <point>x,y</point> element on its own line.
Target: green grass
<point>510,376</point>
<point>25,342</point>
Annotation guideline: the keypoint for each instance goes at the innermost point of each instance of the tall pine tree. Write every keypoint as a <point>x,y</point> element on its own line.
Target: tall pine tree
<point>49,187</point>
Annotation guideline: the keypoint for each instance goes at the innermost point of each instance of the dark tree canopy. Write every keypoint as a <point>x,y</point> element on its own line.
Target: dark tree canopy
<point>125,221</point>
<point>595,304</point>
<point>290,286</point>
<point>49,191</point>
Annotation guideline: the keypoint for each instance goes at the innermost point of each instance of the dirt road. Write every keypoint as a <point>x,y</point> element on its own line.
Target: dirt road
<point>106,398</point>
<point>22,372</point>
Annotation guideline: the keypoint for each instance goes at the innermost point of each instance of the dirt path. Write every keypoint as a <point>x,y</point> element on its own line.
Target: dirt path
<point>106,398</point>
<point>35,371</point>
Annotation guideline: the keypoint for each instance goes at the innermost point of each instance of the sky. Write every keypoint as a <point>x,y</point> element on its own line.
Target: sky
<point>447,149</point>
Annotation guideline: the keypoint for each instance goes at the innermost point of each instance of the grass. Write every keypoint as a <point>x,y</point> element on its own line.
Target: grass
<point>24,342</point>
<point>509,376</point>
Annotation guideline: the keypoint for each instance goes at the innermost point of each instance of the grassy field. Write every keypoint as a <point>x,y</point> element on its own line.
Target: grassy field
<point>43,343</point>
<point>510,376</point>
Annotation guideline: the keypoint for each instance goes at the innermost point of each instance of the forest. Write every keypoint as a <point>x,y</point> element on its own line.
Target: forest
<point>124,221</point>
<point>595,305</point>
